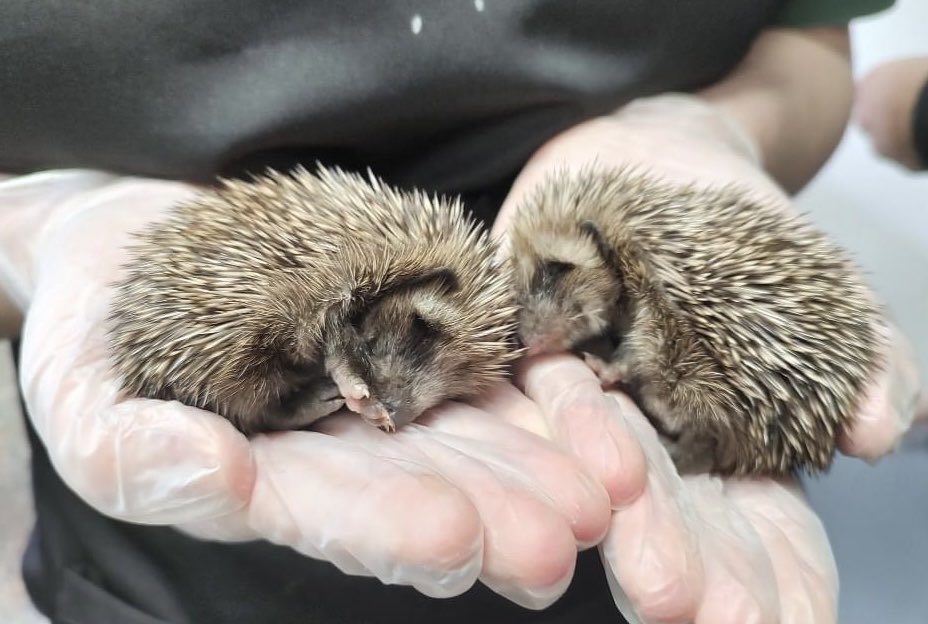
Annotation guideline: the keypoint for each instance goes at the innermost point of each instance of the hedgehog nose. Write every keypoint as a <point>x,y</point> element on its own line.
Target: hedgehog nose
<point>534,349</point>
<point>534,342</point>
<point>550,342</point>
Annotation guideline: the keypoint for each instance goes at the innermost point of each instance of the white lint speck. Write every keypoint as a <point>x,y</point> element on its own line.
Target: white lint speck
<point>479,5</point>
<point>416,24</point>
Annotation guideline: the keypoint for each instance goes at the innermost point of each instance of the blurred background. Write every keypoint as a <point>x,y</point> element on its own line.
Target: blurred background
<point>876,517</point>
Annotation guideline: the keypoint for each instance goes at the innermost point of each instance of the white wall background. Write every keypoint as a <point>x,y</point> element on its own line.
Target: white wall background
<point>877,518</point>
<point>876,208</point>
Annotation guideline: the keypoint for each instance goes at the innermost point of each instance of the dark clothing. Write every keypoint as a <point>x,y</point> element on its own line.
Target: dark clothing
<point>184,89</point>
<point>828,12</point>
<point>447,96</point>
<point>920,126</point>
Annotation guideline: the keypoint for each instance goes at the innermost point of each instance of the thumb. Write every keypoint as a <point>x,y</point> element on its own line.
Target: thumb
<point>138,460</point>
<point>890,404</point>
<point>143,461</point>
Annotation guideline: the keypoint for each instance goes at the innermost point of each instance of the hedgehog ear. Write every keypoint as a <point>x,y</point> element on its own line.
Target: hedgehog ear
<point>444,278</point>
<point>602,245</point>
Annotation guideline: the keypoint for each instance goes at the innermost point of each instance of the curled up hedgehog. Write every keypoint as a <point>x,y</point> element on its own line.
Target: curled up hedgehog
<point>277,301</point>
<point>745,336</point>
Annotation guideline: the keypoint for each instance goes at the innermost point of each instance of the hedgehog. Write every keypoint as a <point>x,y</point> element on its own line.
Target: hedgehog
<point>279,300</point>
<point>742,332</point>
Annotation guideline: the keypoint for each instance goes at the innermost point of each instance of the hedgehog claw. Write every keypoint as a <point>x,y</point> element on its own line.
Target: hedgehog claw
<point>377,415</point>
<point>372,412</point>
<point>387,425</point>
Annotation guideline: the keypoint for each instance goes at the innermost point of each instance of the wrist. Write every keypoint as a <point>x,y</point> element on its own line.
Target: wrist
<point>693,116</point>
<point>681,139</point>
<point>55,214</point>
<point>32,205</point>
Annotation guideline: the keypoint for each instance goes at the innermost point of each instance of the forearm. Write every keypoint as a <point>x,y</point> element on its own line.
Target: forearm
<point>793,95</point>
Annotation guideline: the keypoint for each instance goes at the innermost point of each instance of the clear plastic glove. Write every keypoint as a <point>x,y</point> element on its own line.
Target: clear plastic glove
<point>467,493</point>
<point>704,549</point>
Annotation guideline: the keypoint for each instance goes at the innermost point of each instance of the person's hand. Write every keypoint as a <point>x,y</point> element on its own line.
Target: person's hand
<point>468,492</point>
<point>700,548</point>
<point>884,107</point>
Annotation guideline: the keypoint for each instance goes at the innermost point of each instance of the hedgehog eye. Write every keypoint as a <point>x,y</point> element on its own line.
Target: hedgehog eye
<point>602,245</point>
<point>357,313</point>
<point>423,329</point>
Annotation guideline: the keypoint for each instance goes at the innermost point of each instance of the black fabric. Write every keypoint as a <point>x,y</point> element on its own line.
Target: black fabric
<point>188,89</point>
<point>920,126</point>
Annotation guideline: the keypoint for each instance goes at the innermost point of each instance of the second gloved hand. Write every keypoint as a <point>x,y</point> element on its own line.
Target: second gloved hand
<point>701,548</point>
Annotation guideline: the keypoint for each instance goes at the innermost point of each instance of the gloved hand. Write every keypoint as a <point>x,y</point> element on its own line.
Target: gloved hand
<point>701,548</point>
<point>466,493</point>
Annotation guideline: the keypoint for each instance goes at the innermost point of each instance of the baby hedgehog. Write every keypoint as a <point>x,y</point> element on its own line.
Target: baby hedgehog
<point>744,335</point>
<point>275,302</point>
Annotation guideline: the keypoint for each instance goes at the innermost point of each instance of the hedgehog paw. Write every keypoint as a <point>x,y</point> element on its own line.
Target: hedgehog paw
<point>307,406</point>
<point>372,411</point>
<point>376,414</point>
<point>350,385</point>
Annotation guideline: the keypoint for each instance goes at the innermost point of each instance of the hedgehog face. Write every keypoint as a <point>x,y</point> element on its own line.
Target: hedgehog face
<point>566,292</point>
<point>407,337</point>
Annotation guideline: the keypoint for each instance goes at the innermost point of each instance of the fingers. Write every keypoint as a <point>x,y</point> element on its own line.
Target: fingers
<point>506,402</point>
<point>141,461</point>
<point>534,501</point>
<point>535,464</point>
<point>740,583</point>
<point>706,550</point>
<point>796,542</point>
<point>366,509</point>
<point>652,548</point>
<point>889,405</point>
<point>584,421</point>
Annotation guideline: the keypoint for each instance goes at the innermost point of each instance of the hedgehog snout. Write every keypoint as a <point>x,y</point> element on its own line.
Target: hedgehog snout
<point>543,326</point>
<point>549,339</point>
